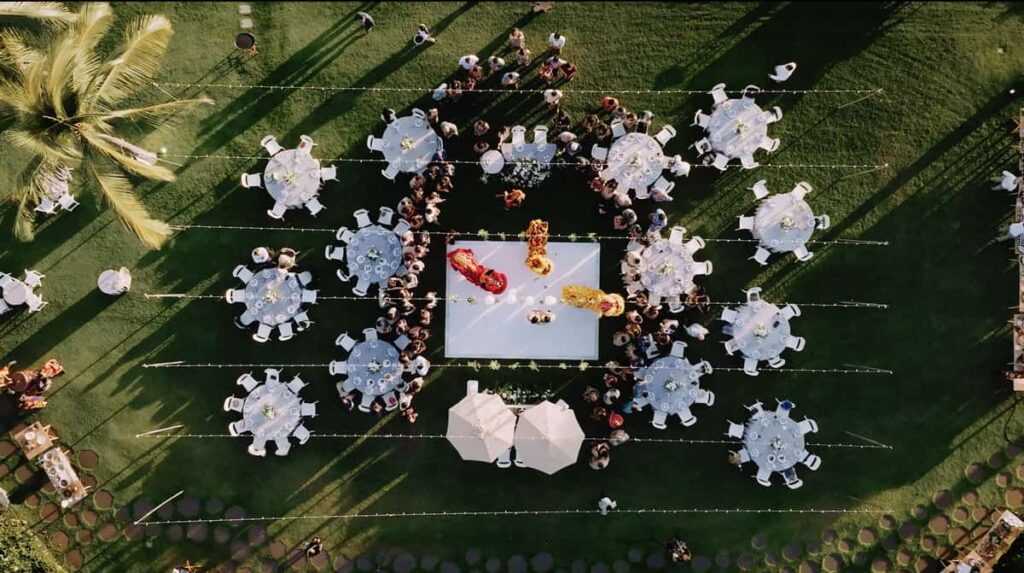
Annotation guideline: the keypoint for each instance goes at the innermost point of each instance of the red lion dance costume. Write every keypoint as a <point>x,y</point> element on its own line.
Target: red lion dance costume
<point>537,248</point>
<point>463,261</point>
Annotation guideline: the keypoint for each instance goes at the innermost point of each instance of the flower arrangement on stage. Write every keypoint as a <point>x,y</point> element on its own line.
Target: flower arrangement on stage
<point>526,174</point>
<point>593,299</point>
<point>537,248</point>
<point>464,261</point>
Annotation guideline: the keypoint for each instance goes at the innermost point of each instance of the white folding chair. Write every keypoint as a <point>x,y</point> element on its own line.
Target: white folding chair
<point>302,321</point>
<point>4,309</point>
<point>247,381</point>
<point>703,268</point>
<point>386,216</point>
<point>746,223</point>
<point>540,134</point>
<point>329,173</point>
<point>374,143</point>
<point>402,227</point>
<point>285,331</point>
<point>277,211</point>
<point>802,189</point>
<point>776,114</point>
<point>283,446</point>
<point>661,184</point>
<point>658,421</point>
<point>729,315</point>
<point>763,477</point>
<point>344,235</point>
<point>271,145</point>
<point>306,144</point>
<point>618,130</point>
<point>796,483</point>
<point>242,273</point>
<point>518,135</point>
<point>802,254</point>
<point>686,418</point>
<point>702,146</point>
<point>694,244</point>
<point>807,426</point>
<point>750,366</point>
<point>309,296</point>
<point>731,346</point>
<point>236,428</point>
<point>235,295</point>
<point>366,402</point>
<point>753,294</point>
<point>257,451</point>
<point>823,222</point>
<point>761,256</point>
<point>705,397</point>
<point>667,133</point>
<point>301,434</point>
<point>796,343</point>
<point>362,218</point>
<point>599,153</point>
<point>308,410</point>
<point>67,202</point>
<point>314,206</point>
<point>735,431</point>
<point>769,144</point>
<point>33,279</point>
<point>345,341</point>
<point>681,168</point>
<point>233,404</point>
<point>304,278</point>
<point>701,119</point>
<point>361,287</point>
<point>46,206</point>
<point>789,311</point>
<point>718,94</point>
<point>263,333</point>
<point>678,348</point>
<point>748,162</point>
<point>370,333</point>
<point>760,189</point>
<point>777,362</point>
<point>812,462</point>
<point>504,460</point>
<point>750,92</point>
<point>337,368</point>
<point>721,162</point>
<point>391,171</point>
<point>5,279</point>
<point>783,72</point>
<point>250,180</point>
<point>676,235</point>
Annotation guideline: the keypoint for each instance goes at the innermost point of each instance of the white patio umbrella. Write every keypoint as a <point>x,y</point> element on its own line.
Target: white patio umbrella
<point>548,437</point>
<point>481,427</point>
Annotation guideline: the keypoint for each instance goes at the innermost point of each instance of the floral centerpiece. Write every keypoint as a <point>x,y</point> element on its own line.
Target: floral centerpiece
<point>671,385</point>
<point>526,173</point>
<point>742,128</point>
<point>787,222</point>
<point>406,143</point>
<point>761,331</point>
<point>269,412</point>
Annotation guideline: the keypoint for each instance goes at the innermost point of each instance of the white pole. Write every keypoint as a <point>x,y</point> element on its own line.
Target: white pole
<point>152,511</point>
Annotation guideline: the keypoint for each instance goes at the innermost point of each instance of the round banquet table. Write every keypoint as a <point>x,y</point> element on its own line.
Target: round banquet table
<point>783,223</point>
<point>16,292</point>
<point>374,367</point>
<point>774,442</point>
<point>272,296</point>
<point>667,269</point>
<point>374,254</point>
<point>723,132</point>
<point>292,177</point>
<point>410,143</point>
<point>114,282</point>
<point>670,384</point>
<point>760,331</point>
<point>271,411</point>
<point>635,161</point>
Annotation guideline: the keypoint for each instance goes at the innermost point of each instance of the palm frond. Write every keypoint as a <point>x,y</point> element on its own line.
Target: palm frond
<point>119,194</point>
<point>40,144</point>
<point>137,62</point>
<point>26,196</point>
<point>52,14</point>
<point>59,75</point>
<point>93,23</point>
<point>117,153</point>
<point>15,54</point>
<point>159,116</point>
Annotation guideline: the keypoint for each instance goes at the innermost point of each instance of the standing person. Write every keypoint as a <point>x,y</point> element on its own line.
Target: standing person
<point>423,36</point>
<point>468,62</point>
<point>365,20</point>
<point>606,504</point>
<point>556,42</point>
<point>523,56</point>
<point>516,39</point>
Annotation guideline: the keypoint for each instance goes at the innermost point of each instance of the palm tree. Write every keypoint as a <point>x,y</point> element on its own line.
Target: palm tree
<point>63,105</point>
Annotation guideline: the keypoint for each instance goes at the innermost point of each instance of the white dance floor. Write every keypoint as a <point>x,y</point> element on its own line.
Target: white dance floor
<point>501,330</point>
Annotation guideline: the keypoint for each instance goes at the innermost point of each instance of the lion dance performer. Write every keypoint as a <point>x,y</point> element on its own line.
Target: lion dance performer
<point>464,261</point>
<point>593,299</point>
<point>537,248</point>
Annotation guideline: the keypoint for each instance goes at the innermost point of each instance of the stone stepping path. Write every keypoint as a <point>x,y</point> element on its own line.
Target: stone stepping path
<point>221,534</point>
<point>4,470</point>
<point>278,550</point>
<point>996,460</point>
<point>60,540</point>
<point>960,514</point>
<point>979,513</point>
<point>791,551</point>
<point>403,563</point>
<point>88,459</point>
<point>197,532</point>
<point>829,535</point>
<point>71,519</point>
<point>956,535</point>
<point>320,561</point>
<point>1003,479</point>
<point>656,560</point>
<point>492,565</point>
<point>542,562</point>
<point>975,473</point>
<point>887,522</point>
<point>49,512</point>
<point>257,535</point>
<point>90,517</point>
<point>969,497</point>
<point>860,558</point>
<point>134,532</point>
<point>771,558</point>
<point>880,565</point>
<point>635,555</point>
<point>928,543</point>
<point>595,568</point>
<point>154,529</point>
<point>1015,497</point>
<point>620,566</point>
<point>891,542</point>
<point>722,560</point>
<point>938,524</point>
<point>142,507</point>
<point>84,536</point>
<point>700,564</point>
<point>813,547</point>
<point>758,541</point>
<point>103,500</point>
<point>7,448</point>
<point>174,533</point>
<point>32,500</point>
<point>344,564</point>
<point>924,564</point>
<point>24,474</point>
<point>745,562</point>
<point>919,512</point>
<point>943,499</point>
<point>867,536</point>
<point>1012,451</point>
<point>832,563</point>
<point>107,532</point>
<point>904,557</point>
<point>123,514</point>
<point>89,481</point>
<point>240,551</point>
<point>74,559</point>
<point>518,564</point>
<point>235,512</point>
<point>808,567</point>
<point>449,567</point>
<point>427,563</point>
<point>268,566</point>
<point>214,506</point>
<point>188,507</point>
<point>845,545</point>
<point>166,512</point>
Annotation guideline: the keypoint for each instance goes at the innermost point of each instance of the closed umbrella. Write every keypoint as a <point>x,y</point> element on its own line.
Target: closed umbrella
<point>548,437</point>
<point>481,427</point>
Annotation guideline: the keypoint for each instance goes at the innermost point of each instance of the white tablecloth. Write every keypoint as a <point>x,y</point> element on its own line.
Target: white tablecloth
<point>271,411</point>
<point>411,143</point>
<point>783,223</point>
<point>723,129</point>
<point>667,269</point>
<point>292,178</point>
<point>272,296</point>
<point>16,292</point>
<point>374,368</point>
<point>774,442</point>
<point>760,331</point>
<point>669,385</point>
<point>374,254</point>
<point>634,161</point>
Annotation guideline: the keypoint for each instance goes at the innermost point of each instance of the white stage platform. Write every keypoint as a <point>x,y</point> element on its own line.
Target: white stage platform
<point>502,330</point>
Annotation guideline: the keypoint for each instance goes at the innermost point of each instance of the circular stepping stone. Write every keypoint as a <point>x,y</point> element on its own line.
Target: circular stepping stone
<point>996,460</point>
<point>969,497</point>
<point>221,534</point>
<point>24,474</point>
<point>71,520</point>
<point>944,551</point>
<point>107,532</point>
<point>543,562</point>
<point>257,535</point>
<point>979,513</point>
<point>428,563</point>
<point>758,541</point>
<point>832,563</point>
<point>197,532</point>
<point>578,566</point>
<point>473,556</point>
<point>4,470</point>
<point>49,512</point>
<point>928,543</point>
<point>141,507</point>
<point>792,551</point>
<point>1003,479</point>
<point>975,473</point>
<point>234,512</point>
<point>278,550</point>
<point>404,562</point>
<point>134,532</point>
<point>493,565</point>
<point>700,564</point>
<point>867,536</point>
<point>960,514</point>
<point>188,507</point>
<point>7,449</point>
<point>174,533</point>
<point>808,567</point>
<point>943,499</point>
<point>891,542</point>
<point>880,565</point>
<point>103,500</point>
<point>32,500</point>
<point>1015,497</point>
<point>924,564</point>
<point>600,568</point>
<point>60,540</point>
<point>74,559</point>
<point>154,530</point>
<point>48,489</point>
<point>89,481</point>
<point>956,535</point>
<point>214,506</point>
<point>449,567</point>
<point>656,560</point>
<point>344,564</point>
<point>517,564</point>
<point>938,524</point>
<point>845,545</point>
<point>88,459</point>
<point>745,562</point>
<point>904,557</point>
<point>860,558</point>
<point>813,547</point>
<point>722,560</point>
<point>620,566</point>
<point>84,536</point>
<point>90,517</point>
<point>123,514</point>
<point>771,558</point>
<point>240,551</point>
<point>320,561</point>
<point>1012,450</point>
<point>829,535</point>
<point>919,512</point>
<point>635,555</point>
<point>887,522</point>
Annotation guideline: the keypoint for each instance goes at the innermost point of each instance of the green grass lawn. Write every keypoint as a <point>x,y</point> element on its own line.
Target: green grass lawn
<point>941,124</point>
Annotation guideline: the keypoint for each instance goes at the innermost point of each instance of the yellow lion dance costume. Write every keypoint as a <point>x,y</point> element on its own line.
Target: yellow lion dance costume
<point>593,299</point>
<point>537,248</point>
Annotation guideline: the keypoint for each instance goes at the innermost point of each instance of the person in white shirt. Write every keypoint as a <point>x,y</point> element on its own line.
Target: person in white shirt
<point>1007,181</point>
<point>495,63</point>
<point>420,365</point>
<point>510,79</point>
<point>697,331</point>
<point>556,42</point>
<point>468,62</point>
<point>260,255</point>
<point>552,97</point>
<point>440,92</point>
<point>606,504</point>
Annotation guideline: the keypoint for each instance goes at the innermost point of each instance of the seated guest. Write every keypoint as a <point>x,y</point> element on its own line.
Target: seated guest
<point>562,119</point>
<point>643,122</point>
<point>523,56</point>
<point>629,121</point>
<point>468,62</point>
<point>432,116</point>
<point>545,73</point>
<point>556,42</point>
<point>475,75</point>
<point>510,79</point>
<point>552,97</point>
<point>481,146</point>
<point>495,63</point>
<point>516,39</point>
<point>512,198</point>
<point>629,216</point>
<point>440,92</point>
<point>602,132</point>
<point>619,112</point>
<point>449,130</point>
<point>555,63</point>
<point>263,255</point>
<point>480,128</point>
<point>286,260</point>
<point>618,437</point>
<point>609,103</point>
<point>659,220</point>
<point>569,71</point>
<point>423,36</point>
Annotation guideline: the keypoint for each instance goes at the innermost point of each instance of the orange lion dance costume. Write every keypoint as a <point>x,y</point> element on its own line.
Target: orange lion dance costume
<point>537,248</point>
<point>464,261</point>
<point>593,299</point>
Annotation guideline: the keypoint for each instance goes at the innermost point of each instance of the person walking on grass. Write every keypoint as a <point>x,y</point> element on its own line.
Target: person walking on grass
<point>423,36</point>
<point>365,20</point>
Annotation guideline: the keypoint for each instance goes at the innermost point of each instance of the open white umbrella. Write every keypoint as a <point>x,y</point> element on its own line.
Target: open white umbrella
<point>548,437</point>
<point>480,427</point>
